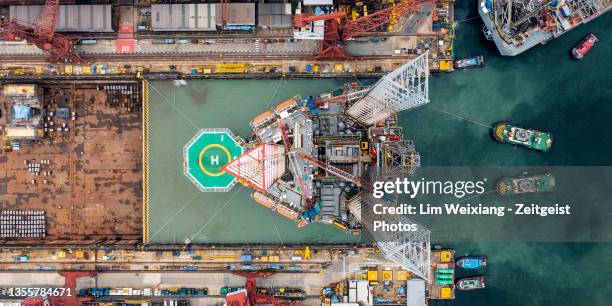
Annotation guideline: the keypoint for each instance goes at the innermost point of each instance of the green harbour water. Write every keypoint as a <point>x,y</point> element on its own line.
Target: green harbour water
<point>542,89</point>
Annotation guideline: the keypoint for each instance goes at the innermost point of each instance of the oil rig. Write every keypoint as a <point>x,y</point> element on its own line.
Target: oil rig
<point>518,25</point>
<point>314,159</point>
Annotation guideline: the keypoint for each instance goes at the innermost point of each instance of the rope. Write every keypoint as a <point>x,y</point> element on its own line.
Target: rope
<point>467,19</point>
<point>460,117</point>
<point>275,92</point>
<point>174,106</point>
<point>275,227</point>
<point>175,214</point>
<point>216,213</point>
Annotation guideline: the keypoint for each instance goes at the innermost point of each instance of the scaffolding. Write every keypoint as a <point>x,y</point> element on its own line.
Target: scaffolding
<point>404,88</point>
<point>397,159</point>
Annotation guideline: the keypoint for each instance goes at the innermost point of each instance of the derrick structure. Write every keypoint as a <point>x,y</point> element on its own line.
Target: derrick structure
<point>404,88</point>
<point>512,17</point>
<point>259,167</point>
<point>398,159</point>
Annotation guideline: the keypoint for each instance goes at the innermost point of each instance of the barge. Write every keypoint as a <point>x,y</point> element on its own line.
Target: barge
<point>471,283</point>
<point>526,184</point>
<point>472,262</point>
<point>469,62</point>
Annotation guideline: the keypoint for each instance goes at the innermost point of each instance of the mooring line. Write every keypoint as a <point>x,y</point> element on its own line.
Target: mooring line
<point>174,216</point>
<point>275,92</point>
<point>275,227</point>
<point>174,106</point>
<point>460,117</point>
<point>216,213</point>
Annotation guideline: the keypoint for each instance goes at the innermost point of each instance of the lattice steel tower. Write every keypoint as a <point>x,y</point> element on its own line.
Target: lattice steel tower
<point>396,159</point>
<point>402,89</point>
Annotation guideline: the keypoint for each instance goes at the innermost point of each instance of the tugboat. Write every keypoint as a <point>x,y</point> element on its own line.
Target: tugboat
<point>472,262</point>
<point>526,184</point>
<point>580,50</point>
<point>471,283</point>
<point>532,139</point>
<point>469,62</point>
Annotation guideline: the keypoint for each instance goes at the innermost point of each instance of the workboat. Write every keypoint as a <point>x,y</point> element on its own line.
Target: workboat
<point>472,262</point>
<point>471,283</point>
<point>532,139</point>
<point>469,62</point>
<point>580,50</point>
<point>526,184</point>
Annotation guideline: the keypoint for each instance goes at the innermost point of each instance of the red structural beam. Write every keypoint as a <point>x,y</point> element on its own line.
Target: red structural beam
<point>372,22</point>
<point>301,20</point>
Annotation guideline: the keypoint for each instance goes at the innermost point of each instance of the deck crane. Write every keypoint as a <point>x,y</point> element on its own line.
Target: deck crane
<point>283,128</point>
<point>288,148</point>
<point>335,33</point>
<point>331,169</point>
<point>42,34</point>
<point>250,296</point>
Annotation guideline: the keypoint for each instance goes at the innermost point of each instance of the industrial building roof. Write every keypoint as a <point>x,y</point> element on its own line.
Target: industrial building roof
<point>274,15</point>
<point>415,292</point>
<point>238,14</point>
<point>72,18</point>
<point>183,17</point>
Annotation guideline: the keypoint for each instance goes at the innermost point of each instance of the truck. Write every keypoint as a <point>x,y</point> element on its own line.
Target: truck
<point>168,41</point>
<point>246,257</point>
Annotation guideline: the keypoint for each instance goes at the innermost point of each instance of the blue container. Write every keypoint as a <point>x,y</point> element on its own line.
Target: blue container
<point>308,67</point>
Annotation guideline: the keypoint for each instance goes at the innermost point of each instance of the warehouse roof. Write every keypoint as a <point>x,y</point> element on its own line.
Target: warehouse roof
<point>71,18</point>
<point>183,17</point>
<point>238,14</point>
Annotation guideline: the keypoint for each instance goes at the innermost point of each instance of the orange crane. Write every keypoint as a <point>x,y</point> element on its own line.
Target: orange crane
<point>301,20</point>
<point>335,33</point>
<point>331,169</point>
<point>42,34</point>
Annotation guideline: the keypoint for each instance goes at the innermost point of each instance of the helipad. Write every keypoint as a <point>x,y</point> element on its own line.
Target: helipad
<point>205,154</point>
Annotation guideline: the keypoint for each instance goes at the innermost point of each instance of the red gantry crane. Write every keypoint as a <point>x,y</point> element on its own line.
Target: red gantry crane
<point>336,32</point>
<point>42,34</point>
<point>250,297</point>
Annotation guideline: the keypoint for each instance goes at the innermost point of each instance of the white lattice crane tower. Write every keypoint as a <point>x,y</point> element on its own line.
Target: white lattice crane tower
<point>404,88</point>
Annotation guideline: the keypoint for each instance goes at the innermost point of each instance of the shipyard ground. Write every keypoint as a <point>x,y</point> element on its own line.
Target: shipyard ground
<point>93,192</point>
<point>324,268</point>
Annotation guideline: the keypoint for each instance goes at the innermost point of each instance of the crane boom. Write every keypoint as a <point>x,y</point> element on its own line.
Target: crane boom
<point>336,30</point>
<point>42,34</point>
<point>300,20</point>
<point>371,22</point>
<point>331,169</point>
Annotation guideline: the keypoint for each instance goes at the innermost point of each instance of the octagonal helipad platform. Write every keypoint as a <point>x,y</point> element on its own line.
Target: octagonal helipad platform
<point>205,154</point>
